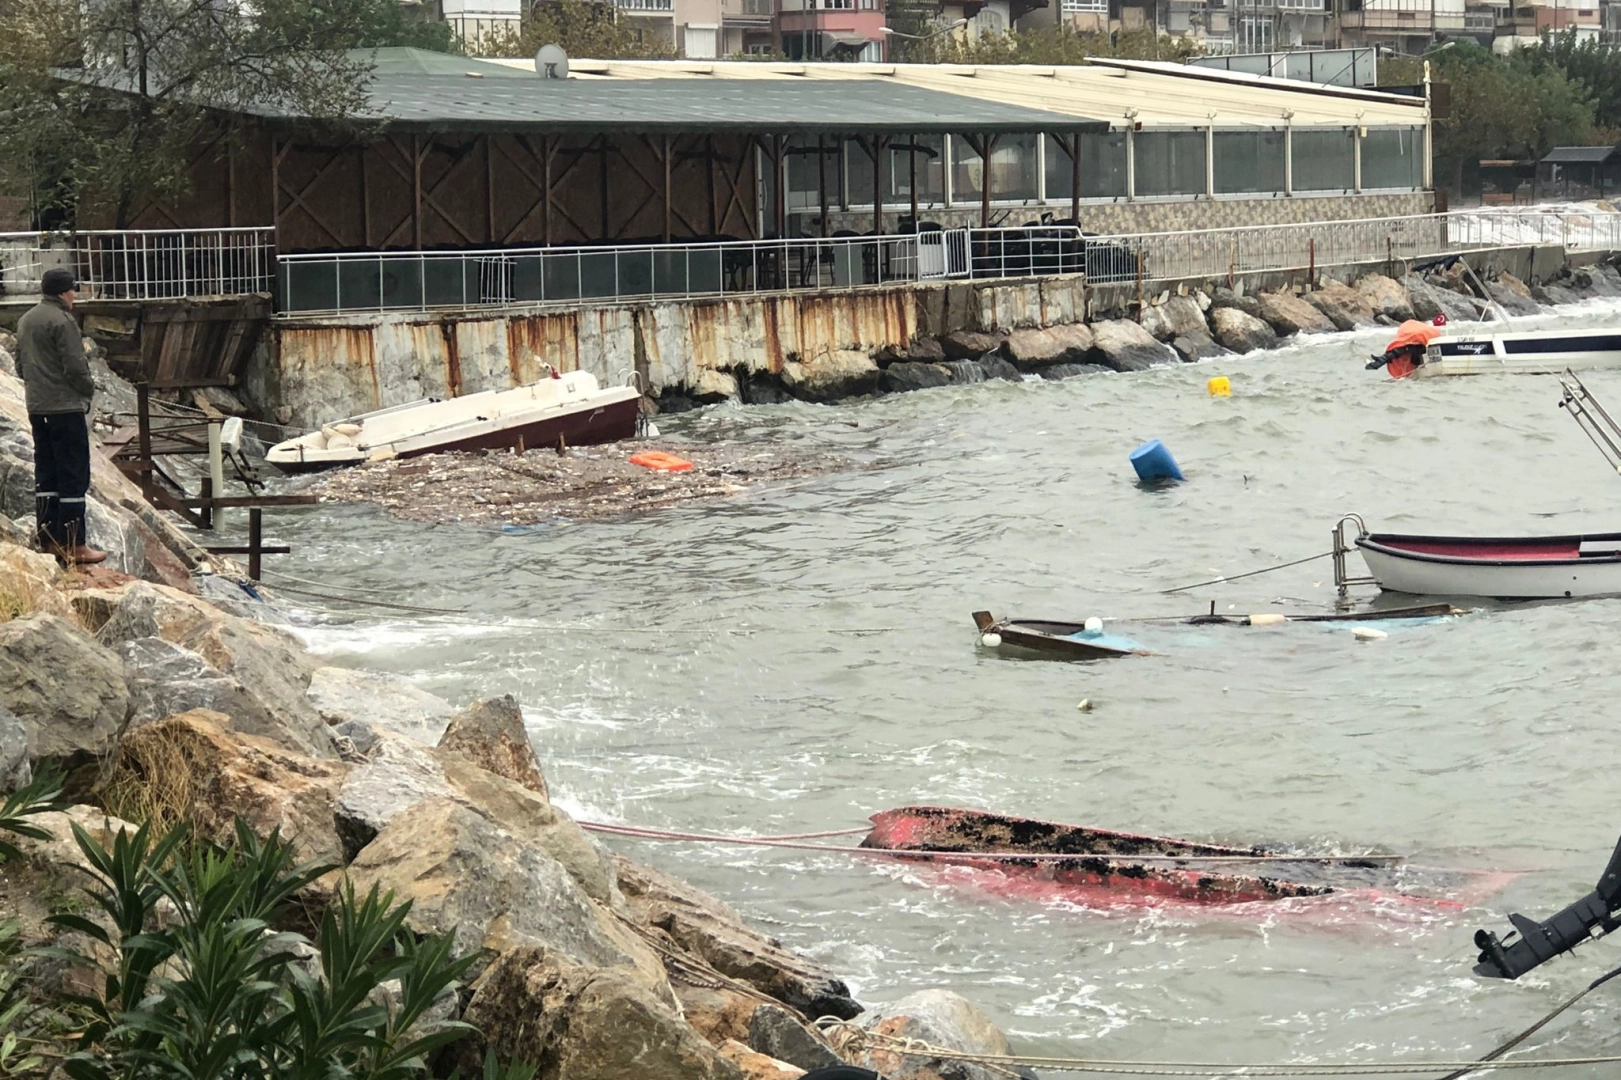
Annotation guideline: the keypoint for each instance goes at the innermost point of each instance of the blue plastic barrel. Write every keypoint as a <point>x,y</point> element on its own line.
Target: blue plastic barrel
<point>1153,462</point>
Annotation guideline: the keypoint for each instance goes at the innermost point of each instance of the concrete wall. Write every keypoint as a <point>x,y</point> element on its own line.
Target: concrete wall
<point>317,370</point>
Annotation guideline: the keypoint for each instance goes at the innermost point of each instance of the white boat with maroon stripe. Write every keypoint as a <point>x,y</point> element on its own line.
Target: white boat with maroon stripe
<point>1527,352</point>
<point>568,406</point>
<point>1496,568</point>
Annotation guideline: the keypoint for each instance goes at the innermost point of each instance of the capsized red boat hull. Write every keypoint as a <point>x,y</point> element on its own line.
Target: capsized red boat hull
<point>1102,859</point>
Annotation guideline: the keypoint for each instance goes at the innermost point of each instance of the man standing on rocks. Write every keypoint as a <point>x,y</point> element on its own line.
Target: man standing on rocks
<point>52,364</point>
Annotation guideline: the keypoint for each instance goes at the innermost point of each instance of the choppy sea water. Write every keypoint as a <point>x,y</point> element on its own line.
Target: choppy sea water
<point>802,656</point>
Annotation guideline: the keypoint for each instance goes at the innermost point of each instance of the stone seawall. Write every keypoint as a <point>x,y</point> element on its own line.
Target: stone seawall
<point>828,346</point>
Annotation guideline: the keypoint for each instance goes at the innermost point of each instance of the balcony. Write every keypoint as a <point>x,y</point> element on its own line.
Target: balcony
<point>646,7</point>
<point>1479,22</point>
<point>748,12</point>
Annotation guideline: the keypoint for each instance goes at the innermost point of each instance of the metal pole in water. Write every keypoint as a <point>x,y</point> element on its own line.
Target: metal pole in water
<point>216,468</point>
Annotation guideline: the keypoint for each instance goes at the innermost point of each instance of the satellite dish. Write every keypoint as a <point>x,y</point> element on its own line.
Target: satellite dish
<point>551,62</point>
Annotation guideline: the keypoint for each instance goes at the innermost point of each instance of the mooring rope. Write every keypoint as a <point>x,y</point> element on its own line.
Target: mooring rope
<point>1252,573</point>
<point>852,1040</point>
<point>795,842</point>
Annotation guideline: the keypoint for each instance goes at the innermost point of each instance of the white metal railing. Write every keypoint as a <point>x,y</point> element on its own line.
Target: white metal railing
<point>319,284</point>
<point>1215,254</point>
<point>146,264</point>
<point>562,276</point>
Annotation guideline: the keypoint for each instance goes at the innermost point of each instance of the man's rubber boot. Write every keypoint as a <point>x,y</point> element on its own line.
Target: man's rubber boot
<point>82,555</point>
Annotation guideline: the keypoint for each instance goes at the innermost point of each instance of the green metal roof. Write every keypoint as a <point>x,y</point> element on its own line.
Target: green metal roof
<point>402,60</point>
<point>421,102</point>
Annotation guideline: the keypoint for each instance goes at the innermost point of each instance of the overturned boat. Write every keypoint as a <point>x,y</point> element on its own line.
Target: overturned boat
<point>564,409</point>
<point>1083,860</point>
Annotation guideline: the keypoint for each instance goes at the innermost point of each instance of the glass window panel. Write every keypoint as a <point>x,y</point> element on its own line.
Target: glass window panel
<point>1392,158</point>
<point>858,165</point>
<point>1248,161</point>
<point>1103,167</point>
<point>805,172</point>
<point>1170,163</point>
<point>930,169</point>
<point>967,170</point>
<point>1324,160</point>
<point>1014,162</point>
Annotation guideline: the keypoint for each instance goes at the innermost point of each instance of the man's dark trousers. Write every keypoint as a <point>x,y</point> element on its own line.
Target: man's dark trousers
<point>61,476</point>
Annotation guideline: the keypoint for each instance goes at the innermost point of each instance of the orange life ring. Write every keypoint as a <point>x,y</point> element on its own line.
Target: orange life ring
<point>659,461</point>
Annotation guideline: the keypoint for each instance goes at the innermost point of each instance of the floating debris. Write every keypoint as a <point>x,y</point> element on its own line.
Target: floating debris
<point>594,484</point>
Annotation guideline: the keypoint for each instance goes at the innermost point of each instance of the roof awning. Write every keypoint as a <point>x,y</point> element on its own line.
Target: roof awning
<point>833,39</point>
<point>1580,155</point>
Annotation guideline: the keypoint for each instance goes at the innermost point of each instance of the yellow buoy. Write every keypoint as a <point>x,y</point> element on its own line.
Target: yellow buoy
<point>1219,386</point>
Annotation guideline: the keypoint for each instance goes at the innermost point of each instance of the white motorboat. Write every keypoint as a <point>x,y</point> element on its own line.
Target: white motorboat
<point>1527,352</point>
<point>1496,568</point>
<point>570,407</point>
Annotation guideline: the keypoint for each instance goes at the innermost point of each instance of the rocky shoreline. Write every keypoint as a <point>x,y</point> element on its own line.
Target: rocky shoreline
<point>166,693</point>
<point>1183,326</point>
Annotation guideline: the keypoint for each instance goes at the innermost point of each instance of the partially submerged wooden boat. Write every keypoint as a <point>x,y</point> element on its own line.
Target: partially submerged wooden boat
<point>568,407</point>
<point>1064,640</point>
<point>1088,859</point>
<point>1074,641</point>
<point>1495,567</point>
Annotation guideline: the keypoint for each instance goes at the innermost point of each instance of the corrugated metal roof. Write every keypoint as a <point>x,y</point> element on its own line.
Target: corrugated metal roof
<point>1121,91</point>
<point>1579,155</point>
<point>871,104</point>
<point>404,60</point>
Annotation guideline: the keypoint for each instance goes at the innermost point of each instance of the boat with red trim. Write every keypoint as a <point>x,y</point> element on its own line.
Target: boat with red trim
<point>1495,567</point>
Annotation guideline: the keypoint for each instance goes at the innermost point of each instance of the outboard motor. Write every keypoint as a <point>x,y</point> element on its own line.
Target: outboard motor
<point>1594,915</point>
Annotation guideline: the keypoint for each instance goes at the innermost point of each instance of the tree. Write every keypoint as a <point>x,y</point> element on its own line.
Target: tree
<point>105,105</point>
<point>1052,45</point>
<point>583,29</point>
<point>362,24</point>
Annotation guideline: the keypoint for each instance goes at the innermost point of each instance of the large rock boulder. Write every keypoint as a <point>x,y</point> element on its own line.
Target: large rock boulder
<point>1231,298</point>
<point>31,582</point>
<point>938,1017</point>
<point>707,928</point>
<point>969,344</point>
<point>907,375</point>
<point>379,699</point>
<point>1059,372</point>
<point>1125,346</point>
<point>146,610</point>
<point>829,376</point>
<point>491,735</point>
<point>1289,314</point>
<point>1199,346</point>
<point>273,662</point>
<point>495,890</point>
<point>1430,300</point>
<point>1030,349</point>
<point>758,1066</point>
<point>14,768</point>
<point>395,774</point>
<point>1177,316</point>
<point>68,691</point>
<point>1386,297</point>
<point>1342,305</point>
<point>165,679</point>
<point>779,1034</point>
<point>995,367</point>
<point>711,387</point>
<point>50,874</point>
<point>194,768</point>
<point>1510,300</point>
<point>538,1006</point>
<point>1241,332</point>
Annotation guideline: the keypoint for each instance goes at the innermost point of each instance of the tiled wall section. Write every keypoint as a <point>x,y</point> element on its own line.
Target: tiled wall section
<point>1171,216</point>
